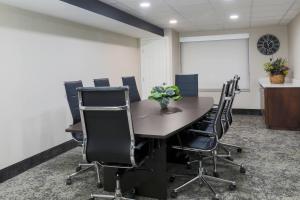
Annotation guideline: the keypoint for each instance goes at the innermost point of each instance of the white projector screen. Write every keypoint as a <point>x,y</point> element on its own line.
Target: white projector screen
<point>216,61</point>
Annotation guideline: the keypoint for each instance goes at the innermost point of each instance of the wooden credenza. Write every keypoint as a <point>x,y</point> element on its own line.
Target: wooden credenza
<point>280,105</point>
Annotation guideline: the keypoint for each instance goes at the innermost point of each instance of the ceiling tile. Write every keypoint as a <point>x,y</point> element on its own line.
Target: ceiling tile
<point>272,2</point>
<point>192,15</point>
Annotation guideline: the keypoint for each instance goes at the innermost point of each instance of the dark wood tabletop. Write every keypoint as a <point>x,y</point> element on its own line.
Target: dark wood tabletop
<point>151,122</point>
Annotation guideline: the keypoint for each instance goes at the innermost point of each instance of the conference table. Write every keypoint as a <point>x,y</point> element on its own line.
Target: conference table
<point>149,121</point>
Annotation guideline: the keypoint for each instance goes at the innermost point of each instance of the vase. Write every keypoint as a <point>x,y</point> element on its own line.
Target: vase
<point>163,105</point>
<point>277,78</point>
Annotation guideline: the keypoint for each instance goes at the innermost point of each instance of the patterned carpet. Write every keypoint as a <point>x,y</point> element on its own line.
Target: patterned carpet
<point>272,160</point>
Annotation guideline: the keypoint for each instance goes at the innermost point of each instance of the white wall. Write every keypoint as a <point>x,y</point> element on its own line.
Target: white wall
<point>38,53</point>
<point>160,60</point>
<point>174,54</point>
<point>251,99</point>
<point>294,46</point>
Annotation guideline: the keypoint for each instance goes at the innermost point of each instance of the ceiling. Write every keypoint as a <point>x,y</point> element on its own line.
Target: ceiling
<point>57,8</point>
<point>203,15</point>
<point>192,15</point>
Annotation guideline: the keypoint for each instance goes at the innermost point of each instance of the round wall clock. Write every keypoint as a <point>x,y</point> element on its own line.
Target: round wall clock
<point>268,44</point>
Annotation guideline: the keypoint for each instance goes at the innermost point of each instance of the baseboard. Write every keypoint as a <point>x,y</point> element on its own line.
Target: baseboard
<point>239,111</point>
<point>22,166</point>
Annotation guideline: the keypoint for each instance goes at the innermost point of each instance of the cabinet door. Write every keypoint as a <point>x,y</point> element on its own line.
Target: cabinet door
<point>283,108</point>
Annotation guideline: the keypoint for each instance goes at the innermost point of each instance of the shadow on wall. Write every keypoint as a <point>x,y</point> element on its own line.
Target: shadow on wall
<point>59,27</point>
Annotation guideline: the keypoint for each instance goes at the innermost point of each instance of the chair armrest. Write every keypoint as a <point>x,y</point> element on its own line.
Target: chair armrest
<point>204,133</point>
<point>141,144</point>
<point>205,121</point>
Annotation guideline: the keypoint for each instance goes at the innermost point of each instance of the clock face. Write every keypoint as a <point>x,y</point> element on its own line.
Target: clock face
<point>268,44</point>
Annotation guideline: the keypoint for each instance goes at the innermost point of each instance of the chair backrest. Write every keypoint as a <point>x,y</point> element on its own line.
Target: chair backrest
<point>188,84</point>
<point>228,105</point>
<point>72,96</point>
<point>218,124</point>
<point>133,91</point>
<point>101,82</point>
<point>233,91</point>
<point>107,125</point>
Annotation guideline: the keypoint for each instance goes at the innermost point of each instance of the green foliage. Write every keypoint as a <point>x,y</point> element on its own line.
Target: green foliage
<point>164,94</point>
<point>279,66</point>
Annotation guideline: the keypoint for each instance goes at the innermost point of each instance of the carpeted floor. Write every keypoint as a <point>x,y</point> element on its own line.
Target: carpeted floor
<point>272,160</point>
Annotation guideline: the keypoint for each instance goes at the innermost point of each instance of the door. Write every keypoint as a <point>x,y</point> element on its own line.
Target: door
<point>155,70</point>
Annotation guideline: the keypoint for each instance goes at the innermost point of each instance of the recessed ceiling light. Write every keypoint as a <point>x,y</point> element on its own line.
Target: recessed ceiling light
<point>173,21</point>
<point>234,17</point>
<point>145,4</point>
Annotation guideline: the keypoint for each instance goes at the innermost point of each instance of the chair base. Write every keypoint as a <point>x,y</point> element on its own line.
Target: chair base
<point>93,196</point>
<point>224,145</point>
<point>118,193</point>
<point>84,167</point>
<point>226,158</point>
<point>203,178</point>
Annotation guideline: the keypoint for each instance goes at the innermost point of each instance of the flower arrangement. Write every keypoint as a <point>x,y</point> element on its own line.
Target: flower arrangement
<point>278,69</point>
<point>163,95</point>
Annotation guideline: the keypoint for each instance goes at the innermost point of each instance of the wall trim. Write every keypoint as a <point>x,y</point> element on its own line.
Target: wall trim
<point>28,163</point>
<point>241,111</point>
<point>107,10</point>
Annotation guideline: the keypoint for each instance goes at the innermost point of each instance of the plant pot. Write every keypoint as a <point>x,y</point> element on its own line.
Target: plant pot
<point>277,79</point>
<point>163,106</point>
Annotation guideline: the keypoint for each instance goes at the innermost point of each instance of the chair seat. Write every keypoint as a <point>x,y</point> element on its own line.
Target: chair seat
<point>202,142</point>
<point>141,152</point>
<point>205,126</point>
<point>197,141</point>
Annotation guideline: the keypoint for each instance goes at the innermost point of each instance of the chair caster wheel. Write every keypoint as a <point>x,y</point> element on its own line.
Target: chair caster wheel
<point>68,181</point>
<point>188,166</point>
<point>242,170</point>
<point>216,174</point>
<point>229,158</point>
<point>171,179</point>
<point>99,185</point>
<point>131,194</point>
<point>216,197</point>
<point>78,168</point>
<point>232,187</point>
<point>173,194</point>
<point>239,150</point>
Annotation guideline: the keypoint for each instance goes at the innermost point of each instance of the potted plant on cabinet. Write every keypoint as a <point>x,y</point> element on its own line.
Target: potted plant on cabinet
<point>277,69</point>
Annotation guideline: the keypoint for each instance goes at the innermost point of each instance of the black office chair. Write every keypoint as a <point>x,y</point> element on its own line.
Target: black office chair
<point>234,89</point>
<point>208,126</point>
<point>227,115</point>
<point>72,97</point>
<point>133,91</point>
<point>229,118</point>
<point>108,132</point>
<point>101,82</point>
<point>188,84</point>
<point>203,142</point>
